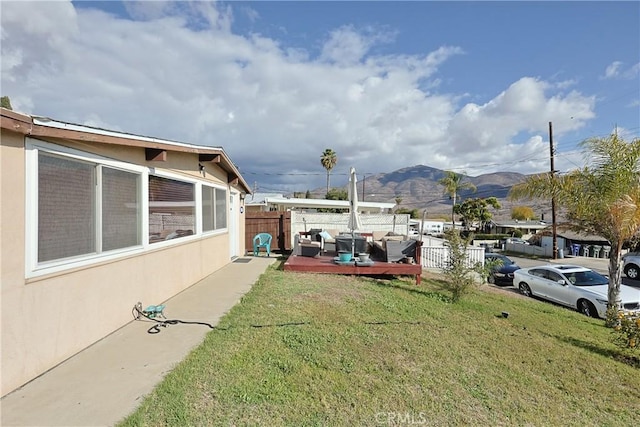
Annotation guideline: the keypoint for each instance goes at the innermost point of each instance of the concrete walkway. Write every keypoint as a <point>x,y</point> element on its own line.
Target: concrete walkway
<point>107,381</point>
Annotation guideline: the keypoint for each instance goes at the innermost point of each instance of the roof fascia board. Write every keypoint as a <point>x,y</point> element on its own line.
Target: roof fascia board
<point>47,128</point>
<point>15,122</point>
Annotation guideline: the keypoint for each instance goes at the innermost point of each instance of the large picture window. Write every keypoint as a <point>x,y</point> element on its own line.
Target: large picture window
<point>71,222</point>
<point>172,209</point>
<point>214,208</point>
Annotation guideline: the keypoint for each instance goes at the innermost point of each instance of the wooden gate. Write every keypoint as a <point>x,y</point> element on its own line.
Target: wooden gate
<point>278,224</point>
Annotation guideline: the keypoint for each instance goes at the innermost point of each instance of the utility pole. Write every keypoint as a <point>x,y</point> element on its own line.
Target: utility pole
<point>553,198</point>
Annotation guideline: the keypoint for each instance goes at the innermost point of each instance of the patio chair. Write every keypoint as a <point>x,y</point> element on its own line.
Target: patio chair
<point>262,240</point>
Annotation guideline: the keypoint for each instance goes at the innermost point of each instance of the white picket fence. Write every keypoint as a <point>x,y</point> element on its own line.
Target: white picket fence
<point>437,257</point>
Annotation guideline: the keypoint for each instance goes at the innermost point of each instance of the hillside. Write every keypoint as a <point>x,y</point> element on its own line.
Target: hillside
<point>418,188</point>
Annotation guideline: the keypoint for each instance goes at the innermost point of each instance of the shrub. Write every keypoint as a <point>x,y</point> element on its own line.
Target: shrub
<point>457,270</point>
<point>485,269</point>
<point>627,331</point>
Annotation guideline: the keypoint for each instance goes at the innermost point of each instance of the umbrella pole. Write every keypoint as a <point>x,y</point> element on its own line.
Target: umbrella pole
<point>353,244</point>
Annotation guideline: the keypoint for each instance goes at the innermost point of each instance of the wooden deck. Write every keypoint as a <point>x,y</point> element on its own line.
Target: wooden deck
<point>325,264</point>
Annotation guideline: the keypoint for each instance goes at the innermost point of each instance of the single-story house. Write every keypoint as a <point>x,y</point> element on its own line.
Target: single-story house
<point>509,226</point>
<point>93,221</point>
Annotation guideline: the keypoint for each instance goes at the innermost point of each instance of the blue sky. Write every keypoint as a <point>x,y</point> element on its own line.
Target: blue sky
<point>465,86</point>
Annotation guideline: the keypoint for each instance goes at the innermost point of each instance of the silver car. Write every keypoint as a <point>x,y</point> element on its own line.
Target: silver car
<point>573,286</point>
<point>631,266</point>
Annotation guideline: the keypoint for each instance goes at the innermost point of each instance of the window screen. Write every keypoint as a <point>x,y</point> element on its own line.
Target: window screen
<point>221,209</point>
<point>214,208</point>
<point>207,209</point>
<point>66,207</point>
<point>120,209</point>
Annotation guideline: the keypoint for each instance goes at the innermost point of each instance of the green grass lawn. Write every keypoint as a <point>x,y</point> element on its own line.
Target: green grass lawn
<point>324,350</point>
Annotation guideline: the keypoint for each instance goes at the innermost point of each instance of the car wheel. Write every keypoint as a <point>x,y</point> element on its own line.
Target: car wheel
<point>585,307</point>
<point>632,271</point>
<point>491,279</point>
<point>525,290</point>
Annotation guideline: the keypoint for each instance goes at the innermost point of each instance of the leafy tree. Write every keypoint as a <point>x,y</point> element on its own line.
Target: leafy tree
<point>414,213</point>
<point>602,198</point>
<point>328,159</point>
<point>5,102</point>
<point>453,184</point>
<point>476,211</point>
<point>337,194</point>
<point>308,195</point>
<point>522,213</point>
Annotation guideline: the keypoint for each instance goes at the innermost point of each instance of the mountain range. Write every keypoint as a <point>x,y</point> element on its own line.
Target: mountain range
<point>417,187</point>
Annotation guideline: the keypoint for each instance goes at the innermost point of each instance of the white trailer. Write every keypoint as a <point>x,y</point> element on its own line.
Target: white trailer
<point>428,227</point>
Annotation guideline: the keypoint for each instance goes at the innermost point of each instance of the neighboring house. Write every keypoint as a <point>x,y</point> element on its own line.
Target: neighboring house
<point>278,202</point>
<point>257,202</point>
<point>93,221</point>
<point>509,226</point>
<point>573,243</point>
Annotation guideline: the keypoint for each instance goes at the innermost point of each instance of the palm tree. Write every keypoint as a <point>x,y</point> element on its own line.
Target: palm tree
<point>328,160</point>
<point>398,200</point>
<point>453,184</point>
<point>602,198</point>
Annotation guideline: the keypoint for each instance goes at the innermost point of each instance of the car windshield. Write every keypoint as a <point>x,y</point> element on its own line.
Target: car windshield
<point>586,278</point>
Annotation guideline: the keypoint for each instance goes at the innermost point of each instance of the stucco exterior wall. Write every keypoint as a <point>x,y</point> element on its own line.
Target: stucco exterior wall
<point>47,319</point>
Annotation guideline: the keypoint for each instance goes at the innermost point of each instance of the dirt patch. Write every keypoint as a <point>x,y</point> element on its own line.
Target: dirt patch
<point>504,290</point>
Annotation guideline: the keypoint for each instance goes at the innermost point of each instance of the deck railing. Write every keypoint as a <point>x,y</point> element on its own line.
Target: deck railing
<point>437,257</point>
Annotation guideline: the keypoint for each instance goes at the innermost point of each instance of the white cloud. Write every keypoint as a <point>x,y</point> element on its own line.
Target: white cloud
<point>612,70</point>
<point>251,13</point>
<point>347,46</point>
<point>274,109</point>
<point>615,70</point>
<point>494,130</point>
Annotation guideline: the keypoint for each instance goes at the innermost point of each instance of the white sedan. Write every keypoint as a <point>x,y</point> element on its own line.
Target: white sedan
<point>573,286</point>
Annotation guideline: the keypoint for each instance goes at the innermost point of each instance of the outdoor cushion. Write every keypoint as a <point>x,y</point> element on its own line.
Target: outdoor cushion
<point>325,235</point>
<point>395,238</point>
<point>378,235</point>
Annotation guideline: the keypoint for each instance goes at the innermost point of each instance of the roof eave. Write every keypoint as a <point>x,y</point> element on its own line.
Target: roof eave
<point>48,128</point>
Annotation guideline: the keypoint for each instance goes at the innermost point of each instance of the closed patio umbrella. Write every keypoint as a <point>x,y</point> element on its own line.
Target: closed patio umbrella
<point>354,216</point>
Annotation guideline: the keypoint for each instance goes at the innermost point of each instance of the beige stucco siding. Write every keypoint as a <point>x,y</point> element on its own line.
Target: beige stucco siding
<point>11,208</point>
<point>47,319</point>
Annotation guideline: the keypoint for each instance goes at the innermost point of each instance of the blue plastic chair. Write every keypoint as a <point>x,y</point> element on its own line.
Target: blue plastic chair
<point>262,240</point>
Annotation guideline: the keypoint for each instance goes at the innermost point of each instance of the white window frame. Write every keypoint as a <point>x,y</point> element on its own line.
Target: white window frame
<point>34,269</point>
<point>200,220</point>
<point>32,149</point>
<point>197,200</point>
